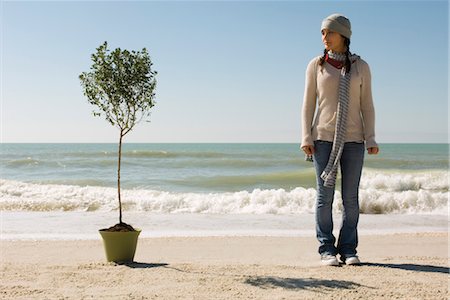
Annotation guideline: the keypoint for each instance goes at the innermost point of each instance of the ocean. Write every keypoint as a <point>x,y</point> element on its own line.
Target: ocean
<point>269,185</point>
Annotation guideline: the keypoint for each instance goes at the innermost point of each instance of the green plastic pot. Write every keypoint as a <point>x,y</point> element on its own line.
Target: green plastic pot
<point>120,246</point>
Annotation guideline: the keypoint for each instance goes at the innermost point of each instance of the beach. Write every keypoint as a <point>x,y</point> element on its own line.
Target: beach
<point>219,221</point>
<point>395,266</point>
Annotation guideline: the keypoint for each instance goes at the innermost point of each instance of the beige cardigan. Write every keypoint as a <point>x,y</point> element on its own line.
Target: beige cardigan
<point>321,88</point>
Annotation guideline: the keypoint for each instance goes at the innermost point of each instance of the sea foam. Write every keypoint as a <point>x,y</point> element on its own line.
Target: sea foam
<point>380,193</point>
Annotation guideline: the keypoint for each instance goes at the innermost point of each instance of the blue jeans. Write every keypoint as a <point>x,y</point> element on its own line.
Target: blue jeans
<point>351,166</point>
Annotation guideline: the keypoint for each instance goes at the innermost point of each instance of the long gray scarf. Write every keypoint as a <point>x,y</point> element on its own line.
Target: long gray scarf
<point>329,174</point>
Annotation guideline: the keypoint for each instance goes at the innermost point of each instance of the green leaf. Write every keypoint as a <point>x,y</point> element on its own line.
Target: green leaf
<point>121,85</point>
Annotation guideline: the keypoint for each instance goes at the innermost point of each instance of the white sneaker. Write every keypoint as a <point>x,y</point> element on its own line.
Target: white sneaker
<point>352,260</point>
<point>329,260</point>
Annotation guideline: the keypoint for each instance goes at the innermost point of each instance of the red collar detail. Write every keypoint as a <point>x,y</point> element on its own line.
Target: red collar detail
<point>335,63</point>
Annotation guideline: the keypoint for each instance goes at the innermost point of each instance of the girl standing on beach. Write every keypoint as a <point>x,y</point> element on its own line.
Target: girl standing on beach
<point>339,84</point>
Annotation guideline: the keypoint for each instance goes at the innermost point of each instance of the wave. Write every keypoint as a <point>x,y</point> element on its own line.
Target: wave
<point>23,162</point>
<point>284,179</point>
<point>51,164</point>
<point>385,180</point>
<point>163,154</point>
<point>412,163</point>
<point>404,180</point>
<point>379,194</point>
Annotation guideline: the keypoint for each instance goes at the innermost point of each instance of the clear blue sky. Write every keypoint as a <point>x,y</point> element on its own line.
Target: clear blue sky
<point>228,71</point>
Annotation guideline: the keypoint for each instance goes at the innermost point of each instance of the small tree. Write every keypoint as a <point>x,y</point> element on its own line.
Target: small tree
<point>121,85</point>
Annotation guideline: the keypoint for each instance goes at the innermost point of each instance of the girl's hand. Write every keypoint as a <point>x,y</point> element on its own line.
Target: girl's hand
<point>308,149</point>
<point>373,150</point>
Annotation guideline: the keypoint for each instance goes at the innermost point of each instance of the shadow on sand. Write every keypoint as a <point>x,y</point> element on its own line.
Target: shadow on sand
<point>411,267</point>
<point>296,283</point>
<point>138,265</point>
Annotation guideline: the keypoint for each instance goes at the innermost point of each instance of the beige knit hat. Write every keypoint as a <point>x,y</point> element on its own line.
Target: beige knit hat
<point>337,23</point>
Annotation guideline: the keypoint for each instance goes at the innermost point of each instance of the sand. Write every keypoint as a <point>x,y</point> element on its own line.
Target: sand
<point>396,266</point>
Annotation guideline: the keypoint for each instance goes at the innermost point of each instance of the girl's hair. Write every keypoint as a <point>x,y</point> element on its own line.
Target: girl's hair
<point>348,64</point>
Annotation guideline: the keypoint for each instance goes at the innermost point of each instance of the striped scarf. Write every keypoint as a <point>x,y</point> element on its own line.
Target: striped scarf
<point>329,174</point>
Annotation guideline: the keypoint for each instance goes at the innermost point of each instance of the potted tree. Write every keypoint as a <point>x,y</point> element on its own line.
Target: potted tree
<point>121,85</point>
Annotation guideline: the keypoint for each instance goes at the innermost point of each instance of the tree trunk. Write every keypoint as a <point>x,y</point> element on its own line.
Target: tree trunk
<point>118,177</point>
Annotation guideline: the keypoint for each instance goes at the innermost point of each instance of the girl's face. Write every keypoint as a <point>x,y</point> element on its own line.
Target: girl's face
<point>333,41</point>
